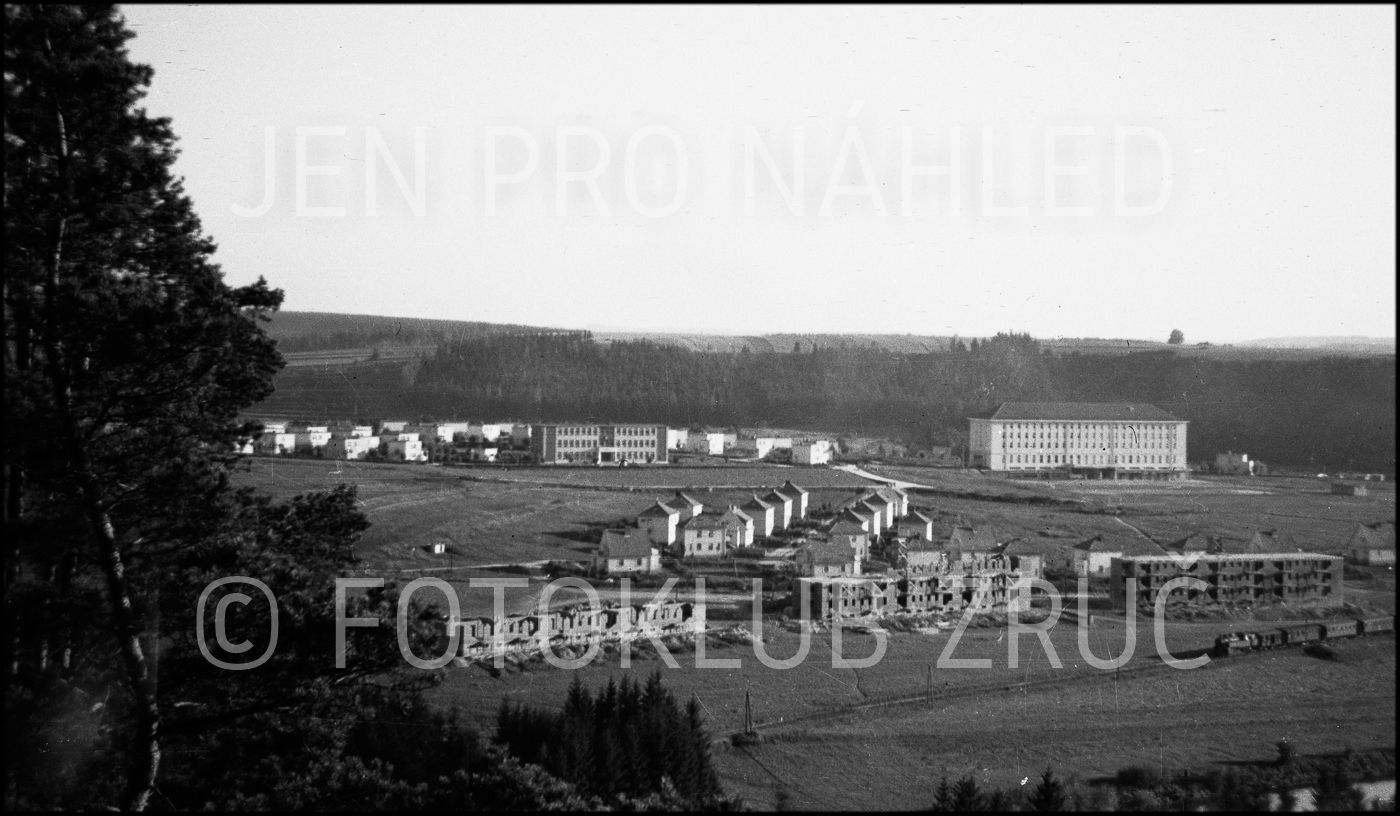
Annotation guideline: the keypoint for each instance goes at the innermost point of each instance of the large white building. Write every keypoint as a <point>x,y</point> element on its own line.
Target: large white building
<point>1106,440</point>
<point>599,444</point>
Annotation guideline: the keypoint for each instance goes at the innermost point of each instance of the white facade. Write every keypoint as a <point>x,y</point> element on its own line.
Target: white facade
<point>599,444</point>
<point>1117,439</point>
<point>277,443</point>
<point>352,447</point>
<point>677,438</point>
<point>405,450</point>
<point>812,453</point>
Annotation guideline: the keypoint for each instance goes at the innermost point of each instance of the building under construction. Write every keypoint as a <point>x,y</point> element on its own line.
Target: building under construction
<point>1237,578</point>
<point>984,582</point>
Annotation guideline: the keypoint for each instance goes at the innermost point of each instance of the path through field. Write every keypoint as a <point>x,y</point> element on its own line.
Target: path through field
<point>899,483</point>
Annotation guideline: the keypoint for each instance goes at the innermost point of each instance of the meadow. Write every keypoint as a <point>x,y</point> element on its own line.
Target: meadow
<point>817,750</point>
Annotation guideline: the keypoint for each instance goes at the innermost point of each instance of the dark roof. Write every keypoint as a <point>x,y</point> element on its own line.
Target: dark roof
<point>1083,411</point>
<point>829,552</point>
<point>625,544</point>
<point>967,538</point>
<point>757,504</point>
<point>1024,546</point>
<point>688,500</point>
<point>735,511</point>
<point>1126,544</point>
<point>845,527</point>
<point>659,509</point>
<point>913,517</point>
<point>1271,541</point>
<point>1379,536</point>
<point>708,521</point>
<point>792,490</point>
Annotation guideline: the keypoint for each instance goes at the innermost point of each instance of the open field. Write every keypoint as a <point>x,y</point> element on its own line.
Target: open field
<point>1229,711</point>
<point>824,755</point>
<point>1232,507</point>
<point>830,757</point>
<point>513,520</point>
<point>672,477</point>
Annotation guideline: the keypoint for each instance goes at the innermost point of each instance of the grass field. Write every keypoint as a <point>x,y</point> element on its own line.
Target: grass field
<point>825,757</point>
<point>1233,507</point>
<point>1229,711</point>
<point>891,757</point>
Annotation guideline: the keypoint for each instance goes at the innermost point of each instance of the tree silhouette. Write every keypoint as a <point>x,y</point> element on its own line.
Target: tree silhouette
<point>1176,338</point>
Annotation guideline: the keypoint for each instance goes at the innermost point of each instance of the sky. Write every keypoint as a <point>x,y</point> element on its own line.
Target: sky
<point>1076,171</point>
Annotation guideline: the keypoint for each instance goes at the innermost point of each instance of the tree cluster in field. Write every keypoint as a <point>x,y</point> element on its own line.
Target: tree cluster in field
<point>628,740</point>
<point>1336,413</point>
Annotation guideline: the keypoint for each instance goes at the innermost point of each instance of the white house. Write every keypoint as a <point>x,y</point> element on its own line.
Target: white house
<point>852,535</point>
<point>626,551</point>
<point>746,525</point>
<point>312,439</point>
<point>1372,543</point>
<point>914,525</point>
<point>660,521</point>
<point>798,496</point>
<point>710,536</point>
<point>822,559</point>
<point>782,508</point>
<point>406,448</point>
<point>762,513</point>
<point>277,443</point>
<point>350,447</point>
<point>811,453</point>
<point>677,438</point>
<point>689,506</point>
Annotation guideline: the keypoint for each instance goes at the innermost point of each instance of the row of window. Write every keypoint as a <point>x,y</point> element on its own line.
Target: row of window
<point>1090,459</point>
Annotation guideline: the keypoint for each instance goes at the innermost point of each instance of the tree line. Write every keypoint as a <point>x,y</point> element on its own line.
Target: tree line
<point>628,740</point>
<point>1336,413</point>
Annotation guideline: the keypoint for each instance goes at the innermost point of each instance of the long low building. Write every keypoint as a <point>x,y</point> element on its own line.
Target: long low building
<point>599,444</point>
<point>1105,440</point>
<point>1245,578</point>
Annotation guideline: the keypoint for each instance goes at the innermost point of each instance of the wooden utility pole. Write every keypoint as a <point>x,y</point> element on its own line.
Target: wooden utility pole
<point>748,712</point>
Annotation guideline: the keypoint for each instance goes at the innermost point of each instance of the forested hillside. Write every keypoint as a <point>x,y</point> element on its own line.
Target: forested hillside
<point>317,331</point>
<point>1332,412</point>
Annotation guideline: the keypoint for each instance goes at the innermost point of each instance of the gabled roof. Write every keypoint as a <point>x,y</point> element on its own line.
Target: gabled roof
<point>828,552</point>
<point>1101,544</point>
<point>873,496</point>
<point>792,490</point>
<point>740,514</point>
<point>913,517</point>
<point>1378,536</point>
<point>689,501</point>
<point>756,503</point>
<point>659,509</point>
<point>1083,412</point>
<point>774,497</point>
<point>711,521</point>
<point>968,538</point>
<point>877,509</point>
<point>625,544</point>
<point>1196,542</point>
<point>861,516</point>
<point>1270,541</point>
<point>1028,546</point>
<point>847,527</point>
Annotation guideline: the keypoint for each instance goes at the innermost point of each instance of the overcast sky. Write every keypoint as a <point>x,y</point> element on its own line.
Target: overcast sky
<point>1071,171</point>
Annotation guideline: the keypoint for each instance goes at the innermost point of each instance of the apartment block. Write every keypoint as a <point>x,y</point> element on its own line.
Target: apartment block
<point>1247,578</point>
<point>598,444</point>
